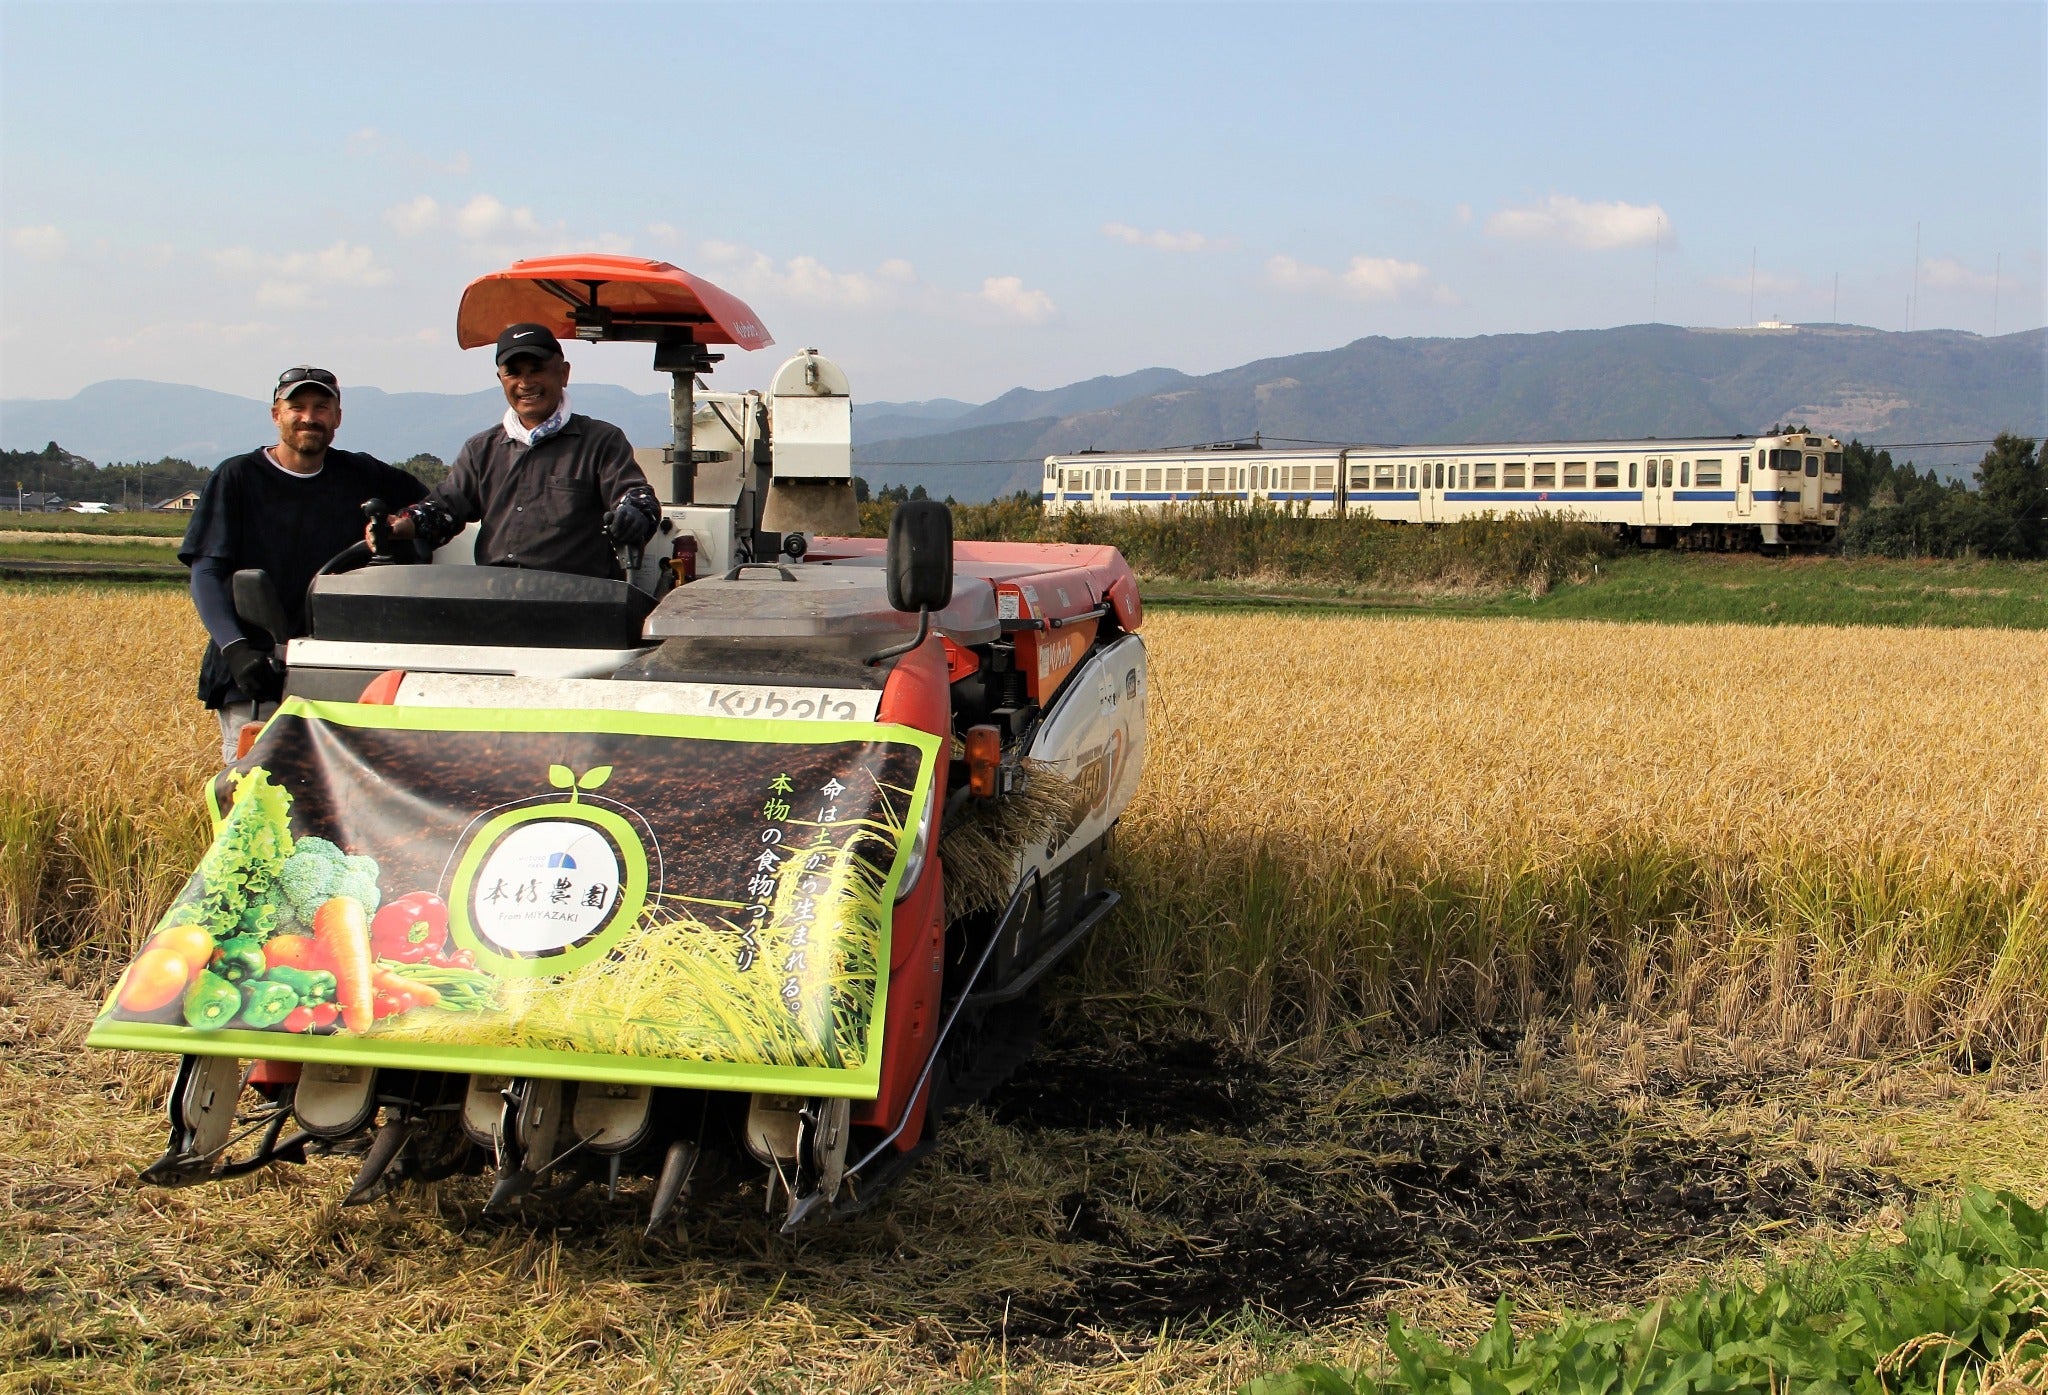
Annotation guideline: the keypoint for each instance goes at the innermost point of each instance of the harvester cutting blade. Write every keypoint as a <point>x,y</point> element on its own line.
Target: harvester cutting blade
<point>673,1184</point>
<point>202,1114</point>
<point>384,1150</point>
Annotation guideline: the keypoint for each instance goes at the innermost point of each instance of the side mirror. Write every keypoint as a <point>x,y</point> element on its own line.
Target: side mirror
<point>921,556</point>
<point>257,601</point>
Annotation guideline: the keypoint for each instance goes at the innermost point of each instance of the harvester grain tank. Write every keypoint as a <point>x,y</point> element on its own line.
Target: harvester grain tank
<point>763,852</point>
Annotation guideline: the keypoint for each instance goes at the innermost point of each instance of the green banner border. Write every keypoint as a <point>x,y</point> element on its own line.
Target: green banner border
<point>861,1083</point>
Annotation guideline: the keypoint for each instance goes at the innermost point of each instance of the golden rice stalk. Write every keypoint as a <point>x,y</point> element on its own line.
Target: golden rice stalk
<point>980,845</point>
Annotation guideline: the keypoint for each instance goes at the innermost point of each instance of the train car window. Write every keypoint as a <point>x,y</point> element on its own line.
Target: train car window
<point>1215,479</point>
<point>1173,480</point>
<point>1326,477</point>
<point>1543,474</point>
<point>1152,479</point>
<point>1832,462</point>
<point>1707,473</point>
<point>1606,474</point>
<point>1812,466</point>
<point>1301,477</point>
<point>1685,474</point>
<point>1482,475</point>
<point>1667,474</point>
<point>1743,476</point>
<point>1052,472</point>
<point>1813,440</point>
<point>1785,461</point>
<point>1465,476</point>
<point>1632,474</point>
<point>1514,475</point>
<point>1575,474</point>
<point>1412,478</point>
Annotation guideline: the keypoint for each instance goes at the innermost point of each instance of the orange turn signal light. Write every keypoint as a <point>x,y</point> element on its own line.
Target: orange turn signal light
<point>246,738</point>
<point>984,760</point>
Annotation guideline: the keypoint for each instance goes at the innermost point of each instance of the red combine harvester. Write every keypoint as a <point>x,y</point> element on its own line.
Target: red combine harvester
<point>764,851</point>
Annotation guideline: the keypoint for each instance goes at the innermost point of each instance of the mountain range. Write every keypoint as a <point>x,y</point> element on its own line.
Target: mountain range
<point>1636,380</point>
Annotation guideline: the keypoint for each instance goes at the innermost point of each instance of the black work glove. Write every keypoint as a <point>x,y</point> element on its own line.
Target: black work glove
<point>258,674</point>
<point>629,524</point>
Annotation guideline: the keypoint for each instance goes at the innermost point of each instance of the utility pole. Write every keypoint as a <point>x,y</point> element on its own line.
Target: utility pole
<point>1913,302</point>
<point>1656,269</point>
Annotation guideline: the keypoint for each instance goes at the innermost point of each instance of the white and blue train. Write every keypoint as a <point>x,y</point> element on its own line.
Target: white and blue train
<point>1726,493</point>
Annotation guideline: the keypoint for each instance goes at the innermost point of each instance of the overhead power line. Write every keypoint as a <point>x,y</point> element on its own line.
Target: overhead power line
<point>1310,441</point>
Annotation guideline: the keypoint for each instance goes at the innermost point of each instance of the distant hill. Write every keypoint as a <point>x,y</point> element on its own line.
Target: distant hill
<point>1638,380</point>
<point>904,421</point>
<point>128,419</point>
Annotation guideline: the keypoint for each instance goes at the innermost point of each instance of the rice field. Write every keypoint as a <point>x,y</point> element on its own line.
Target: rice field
<point>1740,904</point>
<point>1358,824</point>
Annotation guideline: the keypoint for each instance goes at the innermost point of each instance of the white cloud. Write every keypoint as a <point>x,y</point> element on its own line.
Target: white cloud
<point>1009,295</point>
<point>187,332</point>
<point>805,278</point>
<point>414,216</point>
<point>1462,214</point>
<point>1595,226</point>
<point>1159,239</point>
<point>485,216</point>
<point>1384,278</point>
<point>1948,274</point>
<point>1366,278</point>
<point>42,242</point>
<point>1291,275</point>
<point>289,279</point>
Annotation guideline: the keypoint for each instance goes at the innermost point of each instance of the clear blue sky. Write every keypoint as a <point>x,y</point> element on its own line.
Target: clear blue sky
<point>955,200</point>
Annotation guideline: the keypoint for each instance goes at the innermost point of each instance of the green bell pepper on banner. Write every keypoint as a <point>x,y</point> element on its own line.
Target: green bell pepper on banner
<point>240,958</point>
<point>211,1002</point>
<point>313,986</point>
<point>265,1003</point>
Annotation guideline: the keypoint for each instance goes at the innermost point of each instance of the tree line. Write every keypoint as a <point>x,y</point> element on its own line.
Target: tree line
<point>1894,510</point>
<point>139,484</point>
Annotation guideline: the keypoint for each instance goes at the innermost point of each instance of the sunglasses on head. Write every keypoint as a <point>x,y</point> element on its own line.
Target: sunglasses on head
<point>292,377</point>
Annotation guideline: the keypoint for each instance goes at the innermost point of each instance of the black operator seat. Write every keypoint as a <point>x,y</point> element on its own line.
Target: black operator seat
<point>510,606</point>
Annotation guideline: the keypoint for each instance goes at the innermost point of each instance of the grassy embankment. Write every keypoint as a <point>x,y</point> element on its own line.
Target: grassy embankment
<point>1229,556</point>
<point>124,546</point>
<point>1568,832</point>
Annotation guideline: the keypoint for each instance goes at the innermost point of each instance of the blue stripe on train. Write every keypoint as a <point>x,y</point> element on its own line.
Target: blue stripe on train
<point>1704,496</point>
<point>1544,496</point>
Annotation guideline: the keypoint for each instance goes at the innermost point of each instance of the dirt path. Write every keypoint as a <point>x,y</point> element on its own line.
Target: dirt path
<point>32,535</point>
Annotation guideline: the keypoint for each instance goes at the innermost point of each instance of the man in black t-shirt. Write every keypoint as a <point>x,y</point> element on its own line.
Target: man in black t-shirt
<point>285,509</point>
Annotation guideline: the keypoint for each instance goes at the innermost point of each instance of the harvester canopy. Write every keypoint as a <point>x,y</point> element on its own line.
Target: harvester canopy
<point>592,295</point>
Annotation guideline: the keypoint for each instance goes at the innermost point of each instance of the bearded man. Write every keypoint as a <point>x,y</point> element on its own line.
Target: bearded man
<point>285,509</point>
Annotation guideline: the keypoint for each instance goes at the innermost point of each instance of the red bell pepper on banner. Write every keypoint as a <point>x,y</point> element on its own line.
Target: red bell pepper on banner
<point>411,929</point>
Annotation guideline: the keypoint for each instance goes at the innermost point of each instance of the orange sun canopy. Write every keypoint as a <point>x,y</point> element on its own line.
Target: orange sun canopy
<point>640,300</point>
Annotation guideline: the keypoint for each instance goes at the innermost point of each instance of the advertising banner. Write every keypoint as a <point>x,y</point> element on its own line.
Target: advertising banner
<point>595,895</point>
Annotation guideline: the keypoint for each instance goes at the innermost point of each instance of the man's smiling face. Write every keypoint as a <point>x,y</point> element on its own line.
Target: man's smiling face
<point>534,385</point>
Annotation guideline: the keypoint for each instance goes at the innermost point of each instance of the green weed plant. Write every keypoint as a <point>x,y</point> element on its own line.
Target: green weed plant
<point>1960,1305</point>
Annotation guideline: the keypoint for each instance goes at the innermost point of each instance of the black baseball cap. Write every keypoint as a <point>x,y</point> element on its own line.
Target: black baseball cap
<point>537,340</point>
<point>305,376</point>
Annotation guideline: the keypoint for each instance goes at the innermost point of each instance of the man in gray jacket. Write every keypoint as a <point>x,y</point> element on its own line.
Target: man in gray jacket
<point>547,488</point>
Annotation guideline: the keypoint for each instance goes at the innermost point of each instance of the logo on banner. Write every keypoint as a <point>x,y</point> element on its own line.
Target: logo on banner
<point>547,886</point>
